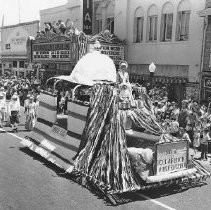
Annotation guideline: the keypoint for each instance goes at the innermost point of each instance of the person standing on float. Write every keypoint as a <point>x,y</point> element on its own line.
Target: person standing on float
<point>122,74</point>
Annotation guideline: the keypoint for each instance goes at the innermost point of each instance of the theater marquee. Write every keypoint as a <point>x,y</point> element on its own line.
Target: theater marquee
<point>60,51</point>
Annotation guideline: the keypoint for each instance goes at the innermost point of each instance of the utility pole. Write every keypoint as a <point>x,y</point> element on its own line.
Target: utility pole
<point>19,17</point>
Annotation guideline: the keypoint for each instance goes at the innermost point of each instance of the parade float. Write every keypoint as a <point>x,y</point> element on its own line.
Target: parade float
<point>112,146</point>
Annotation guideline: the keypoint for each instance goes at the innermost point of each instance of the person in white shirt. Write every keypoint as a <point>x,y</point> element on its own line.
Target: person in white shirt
<point>14,110</point>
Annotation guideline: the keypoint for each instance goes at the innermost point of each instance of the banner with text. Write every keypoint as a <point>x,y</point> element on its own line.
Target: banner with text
<point>171,157</point>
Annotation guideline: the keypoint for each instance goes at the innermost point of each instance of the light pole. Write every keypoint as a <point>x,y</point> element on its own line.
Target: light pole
<point>152,68</point>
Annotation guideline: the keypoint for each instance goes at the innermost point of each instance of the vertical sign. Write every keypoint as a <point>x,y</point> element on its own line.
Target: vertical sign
<point>87,16</point>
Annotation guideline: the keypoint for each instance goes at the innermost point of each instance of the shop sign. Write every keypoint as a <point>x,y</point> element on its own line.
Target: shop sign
<point>55,51</point>
<point>87,16</point>
<point>207,82</point>
<point>18,40</point>
<point>115,52</point>
<point>171,157</point>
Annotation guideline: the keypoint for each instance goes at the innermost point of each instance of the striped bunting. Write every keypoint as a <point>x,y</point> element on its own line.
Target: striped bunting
<point>77,113</point>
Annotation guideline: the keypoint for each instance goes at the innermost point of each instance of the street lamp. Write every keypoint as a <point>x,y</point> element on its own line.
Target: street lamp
<point>152,68</point>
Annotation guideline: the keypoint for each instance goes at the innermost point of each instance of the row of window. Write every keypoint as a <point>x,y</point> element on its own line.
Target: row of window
<point>21,64</point>
<point>182,28</point>
<point>166,26</point>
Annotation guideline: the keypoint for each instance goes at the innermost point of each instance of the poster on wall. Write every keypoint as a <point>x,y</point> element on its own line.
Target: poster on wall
<point>87,16</point>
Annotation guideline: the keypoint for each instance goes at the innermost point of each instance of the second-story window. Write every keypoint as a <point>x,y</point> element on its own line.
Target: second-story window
<point>152,28</point>
<point>183,20</point>
<point>138,25</point>
<point>152,23</point>
<point>167,22</point>
<point>183,25</point>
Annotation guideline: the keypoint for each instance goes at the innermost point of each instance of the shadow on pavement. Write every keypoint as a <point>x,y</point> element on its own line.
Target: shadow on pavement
<point>120,199</point>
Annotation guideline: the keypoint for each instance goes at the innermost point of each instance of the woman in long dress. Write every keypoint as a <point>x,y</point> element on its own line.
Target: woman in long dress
<point>30,119</point>
<point>26,107</point>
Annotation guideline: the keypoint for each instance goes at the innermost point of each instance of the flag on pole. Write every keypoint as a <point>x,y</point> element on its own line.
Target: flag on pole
<point>2,21</point>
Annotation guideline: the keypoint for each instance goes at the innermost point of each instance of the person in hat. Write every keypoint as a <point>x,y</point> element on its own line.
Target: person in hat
<point>122,74</point>
<point>2,109</point>
<point>14,110</point>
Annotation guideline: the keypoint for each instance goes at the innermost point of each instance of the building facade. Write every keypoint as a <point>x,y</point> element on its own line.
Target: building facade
<point>168,33</point>
<point>68,13</point>
<point>103,14</point>
<point>205,85</point>
<point>13,47</point>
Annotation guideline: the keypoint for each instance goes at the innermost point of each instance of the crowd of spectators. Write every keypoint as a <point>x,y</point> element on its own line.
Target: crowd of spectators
<point>190,121</point>
<point>14,93</point>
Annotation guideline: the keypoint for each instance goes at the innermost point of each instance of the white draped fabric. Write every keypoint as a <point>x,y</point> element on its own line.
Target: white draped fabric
<point>92,68</point>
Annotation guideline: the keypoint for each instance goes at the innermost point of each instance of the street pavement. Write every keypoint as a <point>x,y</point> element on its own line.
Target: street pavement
<point>28,182</point>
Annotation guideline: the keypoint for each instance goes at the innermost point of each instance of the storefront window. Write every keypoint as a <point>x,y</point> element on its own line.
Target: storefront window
<point>21,64</point>
<point>14,64</point>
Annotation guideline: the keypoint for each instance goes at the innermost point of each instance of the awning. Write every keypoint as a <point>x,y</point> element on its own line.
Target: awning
<point>158,79</point>
<point>205,12</point>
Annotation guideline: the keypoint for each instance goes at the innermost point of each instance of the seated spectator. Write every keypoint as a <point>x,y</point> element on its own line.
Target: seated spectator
<point>61,26</point>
